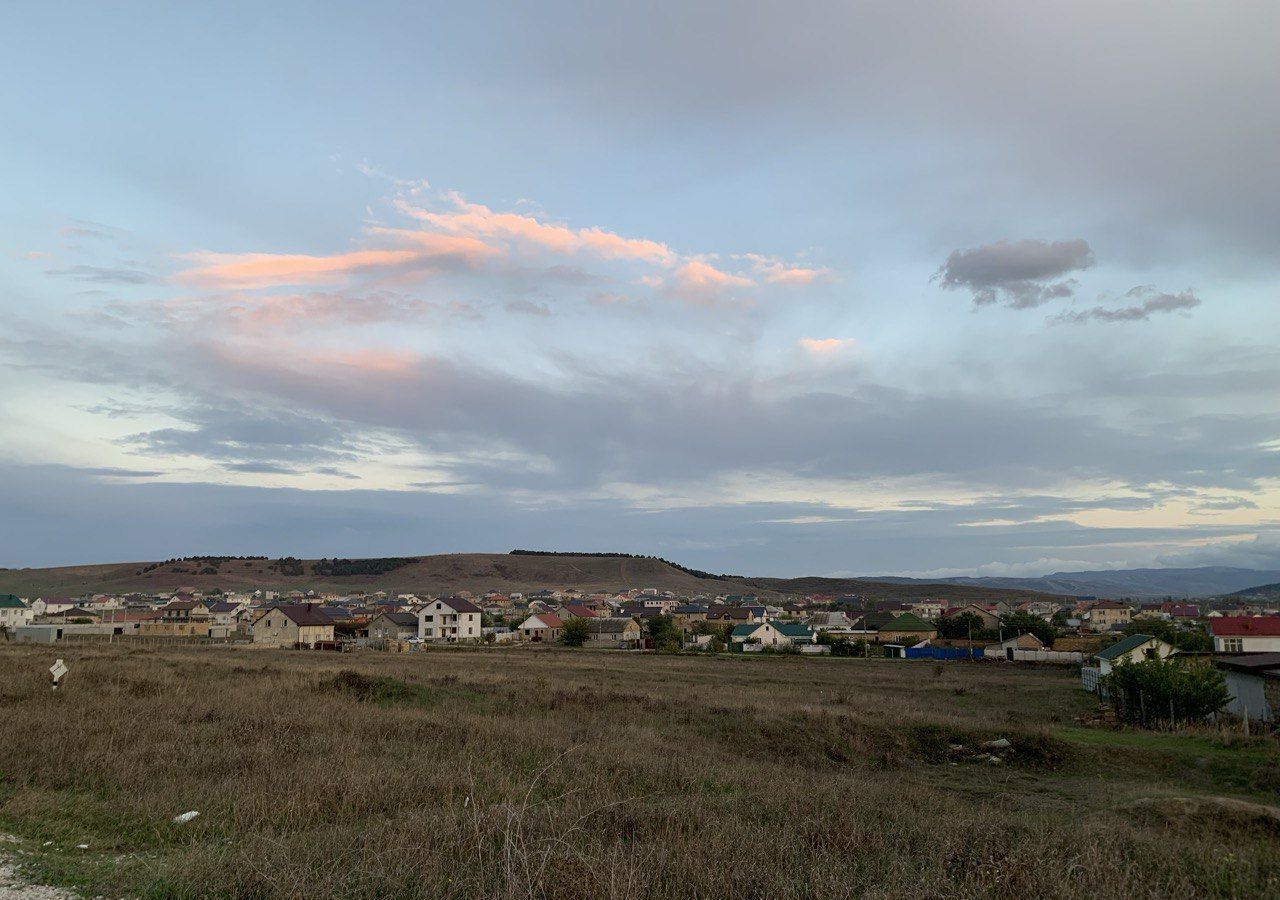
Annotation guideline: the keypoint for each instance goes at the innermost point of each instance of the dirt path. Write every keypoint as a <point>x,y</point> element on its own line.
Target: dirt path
<point>14,887</point>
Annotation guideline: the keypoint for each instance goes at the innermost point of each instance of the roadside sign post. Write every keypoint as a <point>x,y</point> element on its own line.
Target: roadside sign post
<point>57,670</point>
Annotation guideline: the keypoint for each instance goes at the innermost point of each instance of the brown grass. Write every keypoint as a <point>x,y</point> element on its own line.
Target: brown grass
<point>580,774</point>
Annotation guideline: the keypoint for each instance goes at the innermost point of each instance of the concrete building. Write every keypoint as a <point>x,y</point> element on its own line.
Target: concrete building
<point>14,612</point>
<point>292,626</point>
<point>450,619</point>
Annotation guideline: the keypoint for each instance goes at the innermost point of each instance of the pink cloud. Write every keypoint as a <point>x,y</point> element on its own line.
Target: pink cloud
<point>478,220</point>
<point>827,346</point>
<point>774,271</point>
<point>257,270</point>
<point>696,274</point>
<point>320,363</point>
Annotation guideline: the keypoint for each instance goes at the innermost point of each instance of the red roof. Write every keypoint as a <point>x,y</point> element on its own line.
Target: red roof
<point>577,609</point>
<point>549,620</point>
<point>1245,626</point>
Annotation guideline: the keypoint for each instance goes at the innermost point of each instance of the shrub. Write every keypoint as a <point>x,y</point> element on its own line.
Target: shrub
<point>1165,691</point>
<point>575,632</point>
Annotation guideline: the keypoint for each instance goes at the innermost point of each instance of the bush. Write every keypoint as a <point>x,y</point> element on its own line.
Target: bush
<point>575,632</point>
<point>1165,691</point>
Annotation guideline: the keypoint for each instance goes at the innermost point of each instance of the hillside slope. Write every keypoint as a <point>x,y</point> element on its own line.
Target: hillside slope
<point>1205,581</point>
<point>447,573</point>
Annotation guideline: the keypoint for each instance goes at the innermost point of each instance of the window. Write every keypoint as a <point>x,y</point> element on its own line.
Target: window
<point>1232,645</point>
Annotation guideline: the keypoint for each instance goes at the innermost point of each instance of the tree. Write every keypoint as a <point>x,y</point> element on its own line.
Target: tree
<point>575,632</point>
<point>1025,623</point>
<point>960,626</point>
<point>1166,691</point>
<point>1189,640</point>
<point>664,633</point>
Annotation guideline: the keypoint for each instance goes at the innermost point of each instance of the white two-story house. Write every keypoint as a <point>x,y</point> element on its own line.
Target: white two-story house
<point>450,619</point>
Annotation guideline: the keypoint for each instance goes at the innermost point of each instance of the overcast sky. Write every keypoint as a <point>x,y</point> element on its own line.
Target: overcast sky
<point>769,288</point>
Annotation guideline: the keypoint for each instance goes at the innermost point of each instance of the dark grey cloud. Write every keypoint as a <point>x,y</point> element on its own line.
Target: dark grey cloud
<point>1149,302</point>
<point>1020,274</point>
<point>52,513</point>
<point>1133,123</point>
<point>253,438</point>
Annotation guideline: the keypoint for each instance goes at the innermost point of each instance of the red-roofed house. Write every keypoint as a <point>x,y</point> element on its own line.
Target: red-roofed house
<point>1180,610</point>
<point>542,628</point>
<point>1246,634</point>
<point>576,611</point>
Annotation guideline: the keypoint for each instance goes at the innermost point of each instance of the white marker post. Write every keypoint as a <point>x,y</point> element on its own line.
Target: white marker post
<point>57,670</point>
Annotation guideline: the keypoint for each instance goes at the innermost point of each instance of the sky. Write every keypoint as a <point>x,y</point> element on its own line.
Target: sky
<point>768,288</point>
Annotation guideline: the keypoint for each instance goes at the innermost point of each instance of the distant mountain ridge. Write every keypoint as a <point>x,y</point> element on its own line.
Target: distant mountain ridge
<point>1149,584</point>
<point>447,573</point>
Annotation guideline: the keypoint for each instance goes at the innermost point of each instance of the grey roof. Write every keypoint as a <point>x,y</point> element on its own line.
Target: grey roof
<point>610,625</point>
<point>403,619</point>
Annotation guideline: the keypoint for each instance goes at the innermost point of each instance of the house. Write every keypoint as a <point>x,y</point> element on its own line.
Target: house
<point>794,632</point>
<point>1181,611</point>
<point>929,609</point>
<point>575,611</point>
<point>449,619</point>
<point>763,633</point>
<point>1134,648</point>
<point>183,611</point>
<point>542,628</point>
<point>1246,634</point>
<point>393,626</point>
<point>1254,682</point>
<point>827,621</point>
<point>1106,615</point>
<point>292,625</point>
<point>615,631</point>
<point>990,620</point>
<point>687,613</point>
<point>13,612</point>
<point>1007,648</point>
<point>907,628</point>
<point>51,606</point>
<point>739,614</point>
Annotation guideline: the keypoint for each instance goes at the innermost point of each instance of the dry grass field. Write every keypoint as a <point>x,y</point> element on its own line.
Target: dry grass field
<point>579,774</point>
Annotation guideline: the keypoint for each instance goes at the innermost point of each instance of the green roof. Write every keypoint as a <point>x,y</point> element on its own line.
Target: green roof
<point>11,601</point>
<point>907,622</point>
<point>793,629</point>
<point>1132,642</point>
<point>745,630</point>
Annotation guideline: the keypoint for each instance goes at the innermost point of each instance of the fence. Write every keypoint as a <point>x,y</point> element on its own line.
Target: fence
<point>1091,680</point>
<point>1050,656</point>
<point>943,653</point>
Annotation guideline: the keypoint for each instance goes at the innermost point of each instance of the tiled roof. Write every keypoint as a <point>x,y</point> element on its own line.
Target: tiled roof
<point>1246,626</point>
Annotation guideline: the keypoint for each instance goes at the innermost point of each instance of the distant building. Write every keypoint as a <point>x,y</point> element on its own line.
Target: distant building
<point>449,619</point>
<point>1246,634</point>
<point>14,612</point>
<point>1134,648</point>
<point>294,625</point>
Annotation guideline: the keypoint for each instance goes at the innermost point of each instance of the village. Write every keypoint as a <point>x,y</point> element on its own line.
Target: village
<point>1239,640</point>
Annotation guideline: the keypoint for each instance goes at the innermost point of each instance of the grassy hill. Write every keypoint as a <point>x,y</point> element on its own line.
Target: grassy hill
<point>446,573</point>
<point>1262,591</point>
